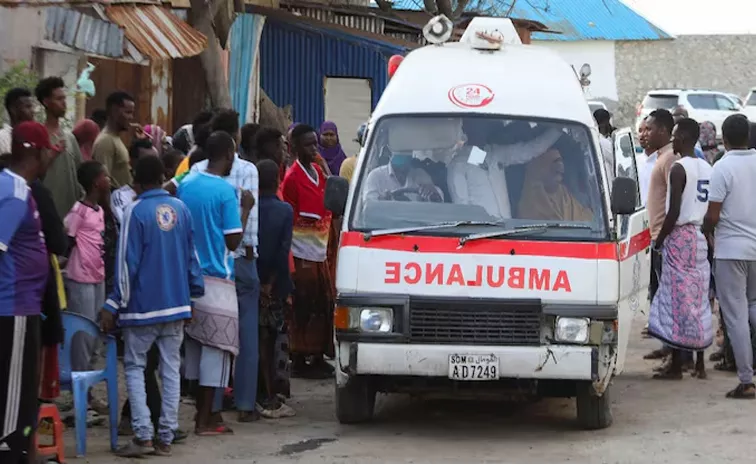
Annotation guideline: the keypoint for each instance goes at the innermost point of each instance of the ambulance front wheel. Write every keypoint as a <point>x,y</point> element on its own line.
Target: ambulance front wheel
<point>593,411</point>
<point>355,402</point>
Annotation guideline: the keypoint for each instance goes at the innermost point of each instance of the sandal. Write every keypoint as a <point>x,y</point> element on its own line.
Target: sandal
<point>669,375</point>
<point>717,356</point>
<point>743,391</point>
<point>216,430</point>
<point>725,366</point>
<point>656,354</point>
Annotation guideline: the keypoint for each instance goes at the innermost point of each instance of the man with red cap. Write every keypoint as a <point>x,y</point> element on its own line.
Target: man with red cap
<point>23,275</point>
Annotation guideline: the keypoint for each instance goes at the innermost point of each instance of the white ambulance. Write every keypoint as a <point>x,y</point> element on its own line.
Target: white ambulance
<point>481,251</point>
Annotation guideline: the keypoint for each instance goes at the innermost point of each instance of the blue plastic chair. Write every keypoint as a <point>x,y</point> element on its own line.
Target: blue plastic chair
<point>79,382</point>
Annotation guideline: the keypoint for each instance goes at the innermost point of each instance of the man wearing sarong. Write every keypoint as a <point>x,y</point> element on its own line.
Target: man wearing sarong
<point>731,212</point>
<point>310,322</point>
<point>659,125</point>
<point>680,312</point>
<point>213,335</point>
<point>242,177</point>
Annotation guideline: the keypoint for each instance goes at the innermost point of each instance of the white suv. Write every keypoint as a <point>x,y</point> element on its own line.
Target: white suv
<point>702,105</point>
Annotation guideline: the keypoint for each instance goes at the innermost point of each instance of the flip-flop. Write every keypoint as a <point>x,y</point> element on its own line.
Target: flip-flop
<point>656,354</point>
<point>717,356</point>
<point>724,366</point>
<point>215,431</point>
<point>668,376</point>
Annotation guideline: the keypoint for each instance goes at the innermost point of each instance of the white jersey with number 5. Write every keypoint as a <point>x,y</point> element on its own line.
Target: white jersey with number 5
<point>695,196</point>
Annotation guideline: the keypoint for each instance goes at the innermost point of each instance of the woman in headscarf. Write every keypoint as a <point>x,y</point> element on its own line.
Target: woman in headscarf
<point>544,195</point>
<point>708,140</point>
<point>330,146</point>
<point>85,132</point>
<point>157,136</point>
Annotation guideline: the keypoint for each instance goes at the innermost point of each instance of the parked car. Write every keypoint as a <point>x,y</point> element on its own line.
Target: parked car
<point>738,101</point>
<point>702,105</point>
<point>749,107</point>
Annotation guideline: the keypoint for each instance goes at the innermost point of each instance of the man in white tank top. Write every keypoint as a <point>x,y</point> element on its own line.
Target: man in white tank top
<point>680,312</point>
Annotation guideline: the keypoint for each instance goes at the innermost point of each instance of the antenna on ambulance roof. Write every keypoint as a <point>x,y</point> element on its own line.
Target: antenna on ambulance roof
<point>438,30</point>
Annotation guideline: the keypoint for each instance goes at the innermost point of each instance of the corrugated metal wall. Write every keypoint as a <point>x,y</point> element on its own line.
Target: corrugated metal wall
<point>245,37</point>
<point>295,59</point>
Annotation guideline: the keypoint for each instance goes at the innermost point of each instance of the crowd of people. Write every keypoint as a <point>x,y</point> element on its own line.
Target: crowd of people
<point>209,254</point>
<point>703,243</point>
<point>212,256</point>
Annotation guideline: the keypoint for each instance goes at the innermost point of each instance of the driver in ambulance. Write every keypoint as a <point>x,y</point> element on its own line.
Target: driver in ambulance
<point>400,180</point>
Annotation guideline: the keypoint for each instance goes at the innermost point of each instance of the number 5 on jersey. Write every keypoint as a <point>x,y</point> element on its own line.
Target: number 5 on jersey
<point>703,190</point>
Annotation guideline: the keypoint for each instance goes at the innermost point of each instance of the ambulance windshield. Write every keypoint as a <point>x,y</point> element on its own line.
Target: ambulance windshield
<point>484,171</point>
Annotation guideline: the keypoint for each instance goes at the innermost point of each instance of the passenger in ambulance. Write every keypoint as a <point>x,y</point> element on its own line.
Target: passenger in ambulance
<point>477,175</point>
<point>545,195</point>
<point>401,180</point>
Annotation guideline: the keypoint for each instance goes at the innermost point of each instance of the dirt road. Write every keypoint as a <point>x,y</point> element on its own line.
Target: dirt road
<point>654,421</point>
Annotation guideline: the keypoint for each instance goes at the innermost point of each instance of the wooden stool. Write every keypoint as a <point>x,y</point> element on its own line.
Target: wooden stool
<point>50,411</point>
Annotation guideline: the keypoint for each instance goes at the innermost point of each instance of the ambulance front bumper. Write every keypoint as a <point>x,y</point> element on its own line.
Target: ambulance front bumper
<point>565,362</point>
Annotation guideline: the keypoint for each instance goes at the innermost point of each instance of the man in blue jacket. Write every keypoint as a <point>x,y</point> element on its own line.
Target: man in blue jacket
<point>157,274</point>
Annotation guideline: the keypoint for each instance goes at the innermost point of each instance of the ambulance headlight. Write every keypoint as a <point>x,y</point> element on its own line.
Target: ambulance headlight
<point>574,330</point>
<point>376,320</point>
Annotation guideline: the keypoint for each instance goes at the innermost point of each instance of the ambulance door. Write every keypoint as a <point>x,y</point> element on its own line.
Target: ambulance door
<point>634,249</point>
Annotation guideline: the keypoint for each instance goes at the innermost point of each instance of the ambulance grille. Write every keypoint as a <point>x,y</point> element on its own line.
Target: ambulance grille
<point>481,325</point>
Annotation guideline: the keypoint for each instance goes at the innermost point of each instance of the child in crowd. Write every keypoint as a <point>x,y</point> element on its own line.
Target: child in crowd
<point>85,270</point>
<point>171,159</point>
<point>276,224</point>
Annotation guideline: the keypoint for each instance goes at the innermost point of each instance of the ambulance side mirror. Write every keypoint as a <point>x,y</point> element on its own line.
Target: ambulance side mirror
<point>624,195</point>
<point>336,192</point>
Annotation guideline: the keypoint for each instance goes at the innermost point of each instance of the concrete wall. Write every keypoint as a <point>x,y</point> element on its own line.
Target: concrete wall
<point>600,54</point>
<point>20,29</point>
<point>724,63</point>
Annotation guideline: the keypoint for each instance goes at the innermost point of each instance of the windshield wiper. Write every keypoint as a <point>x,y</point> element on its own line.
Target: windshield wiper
<point>449,224</point>
<point>521,229</point>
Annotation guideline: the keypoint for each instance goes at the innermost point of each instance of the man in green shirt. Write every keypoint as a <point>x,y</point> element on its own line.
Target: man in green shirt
<point>109,149</point>
<point>61,176</point>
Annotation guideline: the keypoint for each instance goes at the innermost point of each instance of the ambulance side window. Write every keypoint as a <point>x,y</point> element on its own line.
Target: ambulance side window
<point>624,158</point>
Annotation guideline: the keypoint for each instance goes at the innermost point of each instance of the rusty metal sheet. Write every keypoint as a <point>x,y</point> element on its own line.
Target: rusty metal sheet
<point>77,3</point>
<point>156,32</point>
<point>161,91</point>
<point>80,31</point>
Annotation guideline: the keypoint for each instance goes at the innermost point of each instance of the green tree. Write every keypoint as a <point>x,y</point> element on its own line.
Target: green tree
<point>19,75</point>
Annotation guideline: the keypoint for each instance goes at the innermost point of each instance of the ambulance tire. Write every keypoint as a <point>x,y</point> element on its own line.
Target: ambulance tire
<point>593,411</point>
<point>355,402</point>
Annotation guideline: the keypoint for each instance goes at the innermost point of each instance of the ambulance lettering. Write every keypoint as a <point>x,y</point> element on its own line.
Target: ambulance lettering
<point>440,274</point>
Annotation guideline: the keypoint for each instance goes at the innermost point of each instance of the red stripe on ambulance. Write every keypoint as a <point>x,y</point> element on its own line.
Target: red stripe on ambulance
<point>431,244</point>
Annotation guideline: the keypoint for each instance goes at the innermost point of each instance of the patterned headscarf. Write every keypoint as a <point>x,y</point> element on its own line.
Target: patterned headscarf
<point>157,135</point>
<point>708,140</point>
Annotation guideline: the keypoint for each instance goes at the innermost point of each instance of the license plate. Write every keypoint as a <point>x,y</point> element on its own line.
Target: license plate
<point>466,367</point>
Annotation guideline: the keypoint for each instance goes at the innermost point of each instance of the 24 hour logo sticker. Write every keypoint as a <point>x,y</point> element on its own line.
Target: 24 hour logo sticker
<point>471,95</point>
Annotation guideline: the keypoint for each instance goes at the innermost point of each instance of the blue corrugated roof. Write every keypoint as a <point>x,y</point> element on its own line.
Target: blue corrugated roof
<point>574,19</point>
